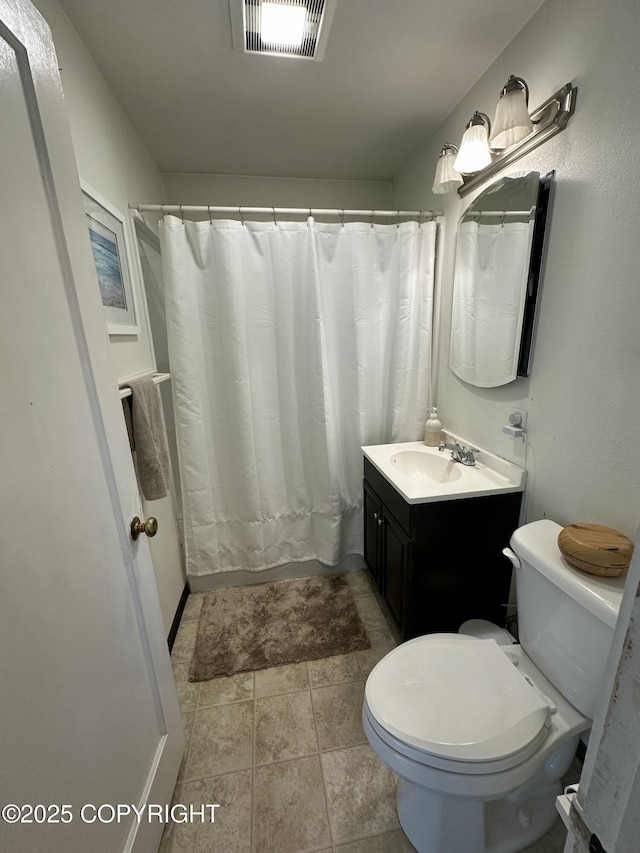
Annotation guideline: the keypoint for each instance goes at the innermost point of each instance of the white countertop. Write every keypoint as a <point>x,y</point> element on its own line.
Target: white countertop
<point>424,480</point>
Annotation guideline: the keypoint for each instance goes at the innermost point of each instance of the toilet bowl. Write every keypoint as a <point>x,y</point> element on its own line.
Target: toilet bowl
<point>480,733</point>
<point>479,768</point>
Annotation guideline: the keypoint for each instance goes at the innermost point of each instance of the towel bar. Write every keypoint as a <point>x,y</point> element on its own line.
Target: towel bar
<point>157,378</point>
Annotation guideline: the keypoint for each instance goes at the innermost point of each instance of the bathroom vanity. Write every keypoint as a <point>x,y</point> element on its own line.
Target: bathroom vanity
<point>434,531</point>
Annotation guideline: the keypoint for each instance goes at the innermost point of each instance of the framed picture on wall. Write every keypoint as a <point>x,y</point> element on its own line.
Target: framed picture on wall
<point>109,248</point>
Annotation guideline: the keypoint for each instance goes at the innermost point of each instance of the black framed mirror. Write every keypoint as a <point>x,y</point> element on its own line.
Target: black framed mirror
<point>497,278</point>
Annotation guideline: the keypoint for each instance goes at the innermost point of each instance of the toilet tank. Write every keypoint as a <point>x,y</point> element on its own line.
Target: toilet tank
<point>566,617</point>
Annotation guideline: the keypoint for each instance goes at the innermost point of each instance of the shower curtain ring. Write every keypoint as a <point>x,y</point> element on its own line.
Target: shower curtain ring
<point>342,217</point>
<point>397,219</point>
<point>182,214</point>
<point>373,213</point>
<point>274,215</point>
<point>419,217</point>
<point>241,216</point>
<point>209,212</point>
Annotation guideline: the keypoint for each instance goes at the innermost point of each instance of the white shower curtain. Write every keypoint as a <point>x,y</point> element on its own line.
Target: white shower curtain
<point>492,264</point>
<point>291,345</point>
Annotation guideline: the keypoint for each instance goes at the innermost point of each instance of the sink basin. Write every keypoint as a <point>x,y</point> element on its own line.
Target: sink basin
<point>426,466</point>
<point>422,474</point>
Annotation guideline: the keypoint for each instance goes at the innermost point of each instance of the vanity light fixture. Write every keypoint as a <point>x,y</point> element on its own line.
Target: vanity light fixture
<point>447,179</point>
<point>515,133</point>
<point>474,151</point>
<point>512,122</point>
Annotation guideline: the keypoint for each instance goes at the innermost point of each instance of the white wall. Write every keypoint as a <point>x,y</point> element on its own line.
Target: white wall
<point>583,394</point>
<point>112,159</point>
<point>235,190</point>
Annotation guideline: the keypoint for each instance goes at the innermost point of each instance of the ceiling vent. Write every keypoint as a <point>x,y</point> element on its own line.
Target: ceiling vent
<point>250,20</point>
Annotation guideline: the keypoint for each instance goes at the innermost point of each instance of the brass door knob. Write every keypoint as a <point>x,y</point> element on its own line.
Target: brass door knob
<point>149,527</point>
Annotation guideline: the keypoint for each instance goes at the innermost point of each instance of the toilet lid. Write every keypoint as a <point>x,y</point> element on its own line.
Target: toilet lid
<point>456,697</point>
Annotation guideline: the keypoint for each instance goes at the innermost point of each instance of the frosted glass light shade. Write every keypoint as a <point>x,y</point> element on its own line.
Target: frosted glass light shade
<point>512,122</point>
<point>446,180</point>
<point>474,151</point>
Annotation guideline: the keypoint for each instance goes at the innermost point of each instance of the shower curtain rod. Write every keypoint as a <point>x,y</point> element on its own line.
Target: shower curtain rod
<point>500,213</point>
<point>282,211</point>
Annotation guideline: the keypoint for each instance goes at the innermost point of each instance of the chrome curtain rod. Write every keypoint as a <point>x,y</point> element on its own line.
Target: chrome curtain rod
<point>499,213</point>
<point>181,209</point>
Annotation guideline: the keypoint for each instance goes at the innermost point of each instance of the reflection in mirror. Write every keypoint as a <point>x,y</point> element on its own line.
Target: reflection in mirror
<point>497,272</point>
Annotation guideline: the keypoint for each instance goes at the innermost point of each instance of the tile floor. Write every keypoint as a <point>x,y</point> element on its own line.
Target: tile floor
<point>284,754</point>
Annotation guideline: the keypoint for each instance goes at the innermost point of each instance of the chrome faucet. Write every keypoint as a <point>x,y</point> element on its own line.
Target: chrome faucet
<point>459,453</point>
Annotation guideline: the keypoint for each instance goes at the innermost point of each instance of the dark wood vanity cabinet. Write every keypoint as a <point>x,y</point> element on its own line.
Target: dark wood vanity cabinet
<point>438,564</point>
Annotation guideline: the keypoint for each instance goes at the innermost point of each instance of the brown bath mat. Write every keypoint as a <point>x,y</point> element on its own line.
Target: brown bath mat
<point>256,627</point>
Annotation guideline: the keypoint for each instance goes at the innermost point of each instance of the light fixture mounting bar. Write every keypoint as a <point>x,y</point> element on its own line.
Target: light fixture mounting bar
<point>548,119</point>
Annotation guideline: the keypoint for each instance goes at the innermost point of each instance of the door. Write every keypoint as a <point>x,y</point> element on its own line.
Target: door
<point>396,554</point>
<point>166,553</point>
<point>372,521</point>
<point>605,815</point>
<point>88,709</point>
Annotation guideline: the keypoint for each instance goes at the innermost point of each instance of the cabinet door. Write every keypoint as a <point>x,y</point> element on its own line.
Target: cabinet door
<point>396,553</point>
<point>372,516</point>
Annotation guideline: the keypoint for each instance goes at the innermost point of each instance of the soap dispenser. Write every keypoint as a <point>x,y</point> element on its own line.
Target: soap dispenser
<point>432,429</point>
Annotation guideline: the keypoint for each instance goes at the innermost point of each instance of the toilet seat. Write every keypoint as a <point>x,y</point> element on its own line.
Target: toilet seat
<point>457,700</point>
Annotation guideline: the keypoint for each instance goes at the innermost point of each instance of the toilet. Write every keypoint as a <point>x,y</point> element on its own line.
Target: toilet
<point>479,730</point>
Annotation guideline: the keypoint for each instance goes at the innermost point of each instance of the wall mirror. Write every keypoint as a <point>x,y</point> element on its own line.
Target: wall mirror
<point>499,254</point>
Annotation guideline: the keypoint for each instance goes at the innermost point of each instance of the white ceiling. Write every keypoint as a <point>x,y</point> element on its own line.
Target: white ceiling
<point>392,71</point>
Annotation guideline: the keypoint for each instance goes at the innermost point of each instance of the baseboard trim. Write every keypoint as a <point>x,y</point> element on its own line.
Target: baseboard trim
<point>177,618</point>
